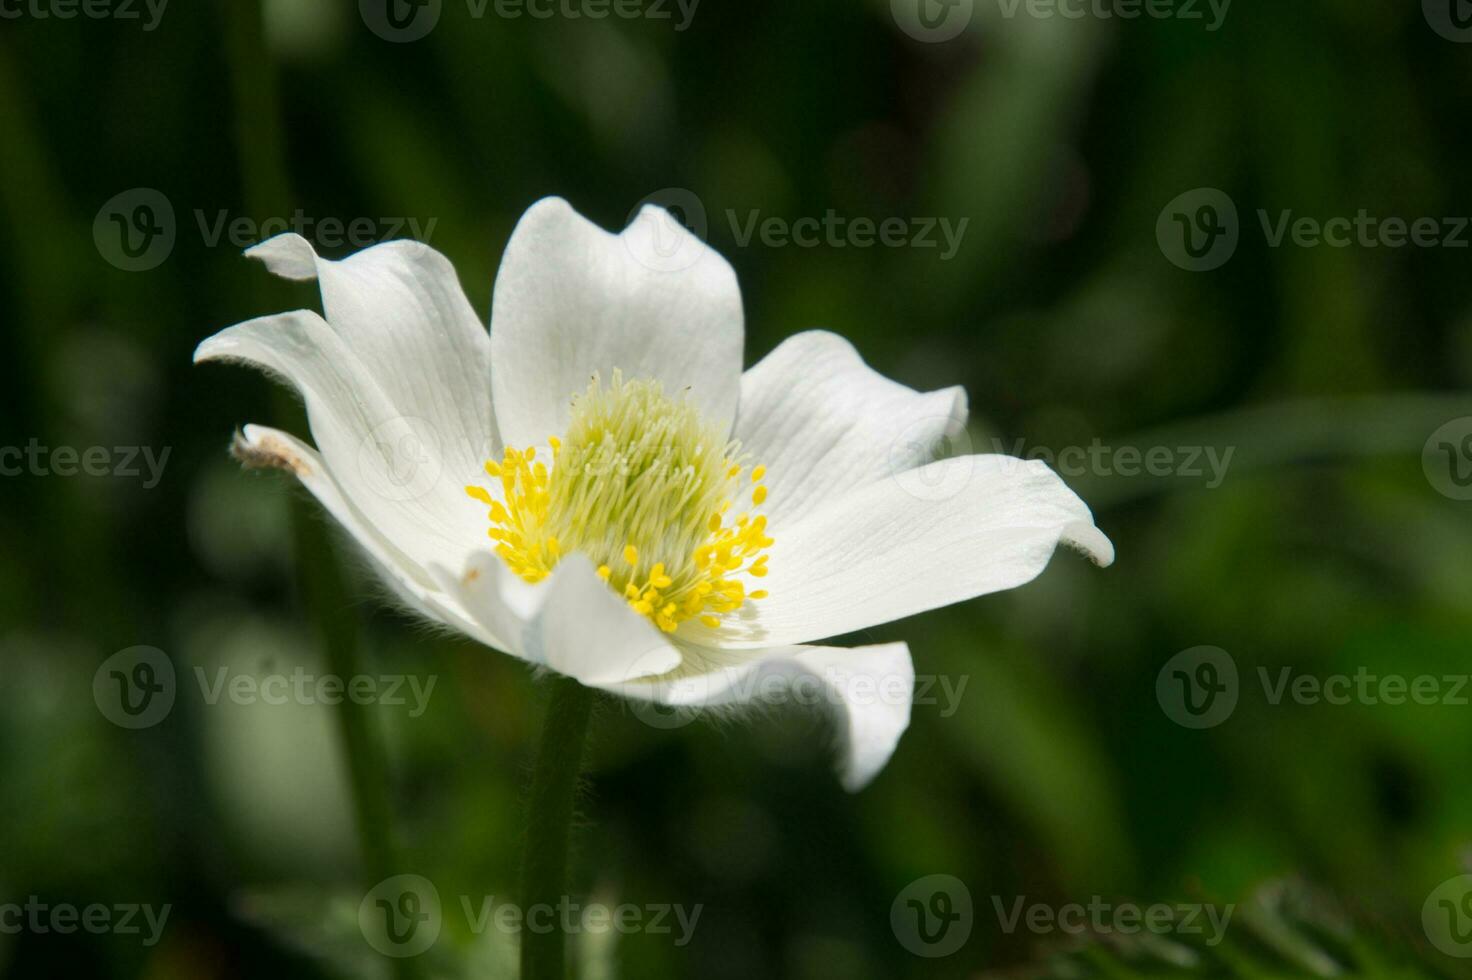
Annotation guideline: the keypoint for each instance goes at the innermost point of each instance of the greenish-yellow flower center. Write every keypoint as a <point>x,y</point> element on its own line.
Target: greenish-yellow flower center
<point>644,487</point>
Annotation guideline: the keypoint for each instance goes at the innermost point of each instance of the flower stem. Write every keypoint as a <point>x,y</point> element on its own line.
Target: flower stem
<point>324,592</point>
<point>549,814</point>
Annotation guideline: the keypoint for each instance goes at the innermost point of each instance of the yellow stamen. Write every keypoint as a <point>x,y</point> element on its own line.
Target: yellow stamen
<point>635,475</point>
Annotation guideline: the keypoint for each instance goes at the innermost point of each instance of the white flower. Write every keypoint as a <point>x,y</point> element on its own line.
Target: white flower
<point>596,486</point>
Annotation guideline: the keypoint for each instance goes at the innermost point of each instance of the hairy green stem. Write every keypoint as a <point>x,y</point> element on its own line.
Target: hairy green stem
<point>549,813</point>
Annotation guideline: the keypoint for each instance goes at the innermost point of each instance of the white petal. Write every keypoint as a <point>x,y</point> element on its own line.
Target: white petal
<point>393,468</point>
<point>261,446</point>
<point>919,540</point>
<point>572,623</point>
<point>478,589</point>
<point>867,690</point>
<point>588,632</point>
<point>823,422</point>
<point>572,299</point>
<point>399,307</point>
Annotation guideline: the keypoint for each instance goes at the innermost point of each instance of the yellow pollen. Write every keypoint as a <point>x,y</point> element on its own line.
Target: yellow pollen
<point>636,474</point>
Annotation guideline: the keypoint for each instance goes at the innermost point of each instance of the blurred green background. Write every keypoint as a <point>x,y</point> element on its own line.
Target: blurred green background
<point>1056,775</point>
